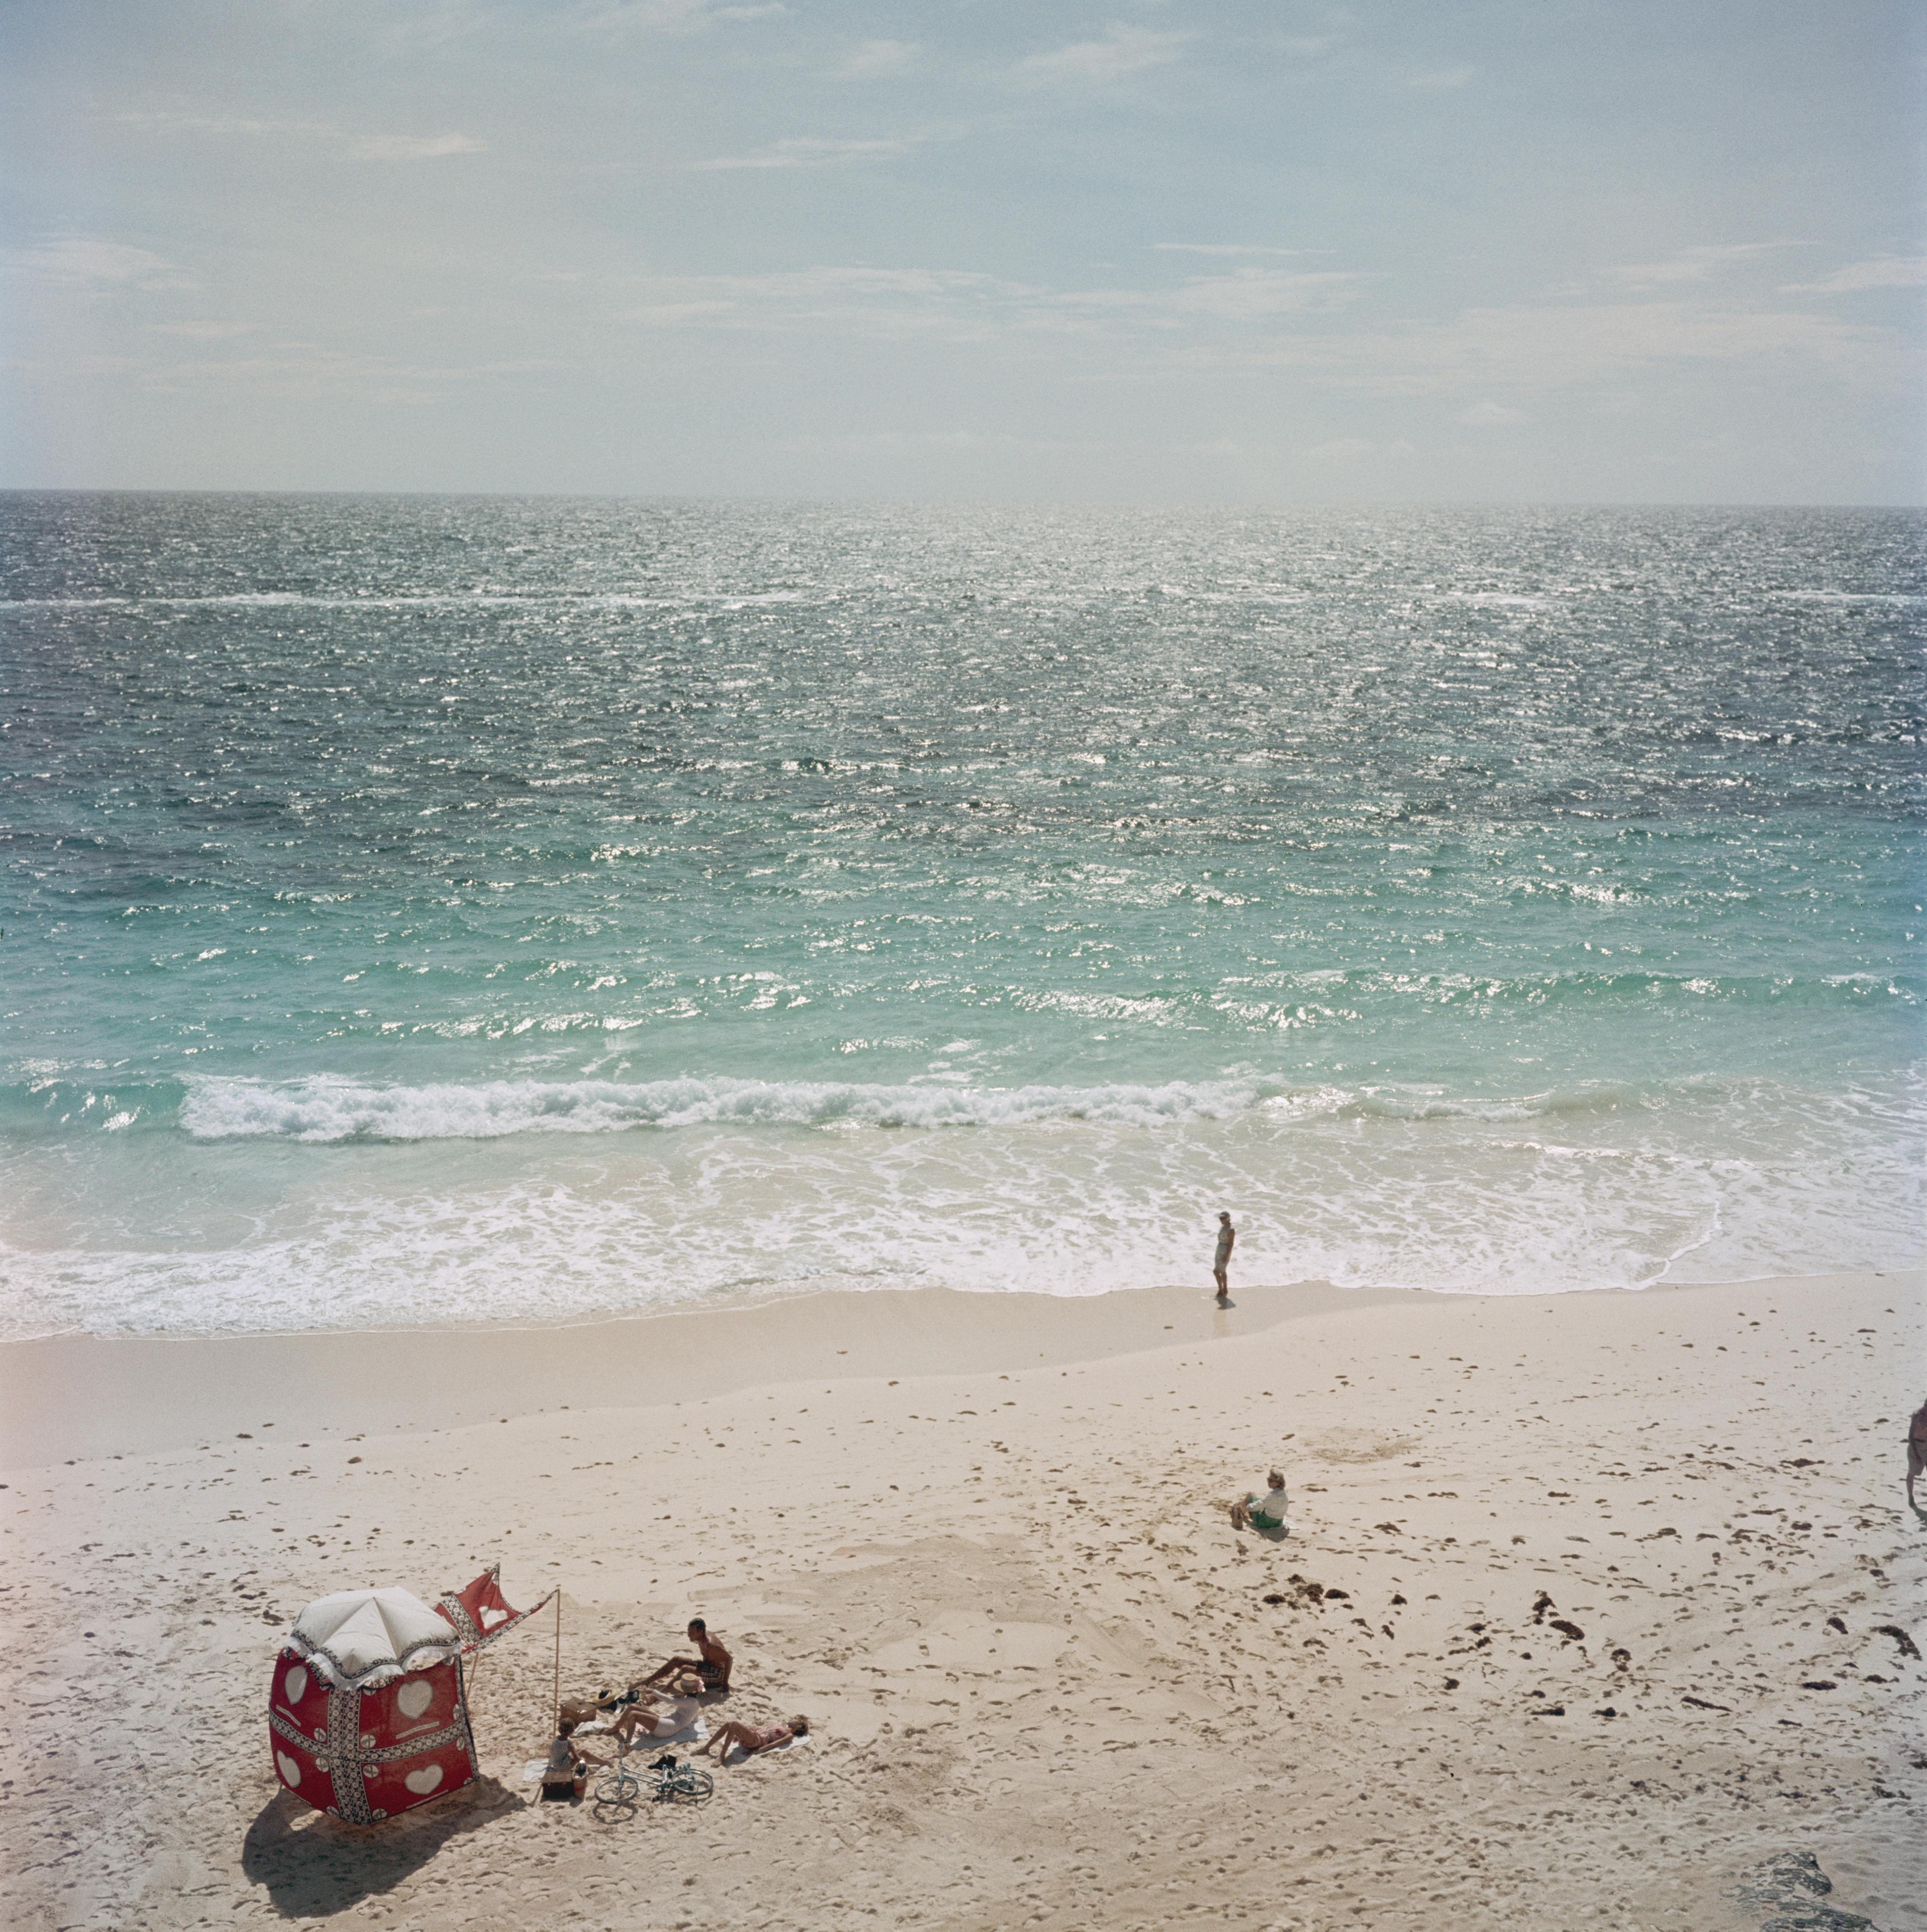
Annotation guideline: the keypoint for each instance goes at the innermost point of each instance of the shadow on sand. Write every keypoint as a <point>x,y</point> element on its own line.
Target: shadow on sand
<point>313,1866</point>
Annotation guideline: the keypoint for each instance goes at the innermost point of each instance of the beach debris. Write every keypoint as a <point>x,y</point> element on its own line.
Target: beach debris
<point>1700,1704</point>
<point>1547,1711</point>
<point>1818,1684</point>
<point>1541,1604</point>
<point>1908,1648</point>
<point>1622,1660</point>
<point>1451,1683</point>
<point>1789,1886</point>
<point>1834,1623</point>
<point>1568,1629</point>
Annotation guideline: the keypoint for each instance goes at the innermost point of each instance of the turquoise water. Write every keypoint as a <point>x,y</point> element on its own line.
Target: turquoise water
<point>480,909</point>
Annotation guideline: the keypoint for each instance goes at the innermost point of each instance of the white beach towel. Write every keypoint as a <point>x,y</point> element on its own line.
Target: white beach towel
<point>639,1756</point>
<point>694,1731</point>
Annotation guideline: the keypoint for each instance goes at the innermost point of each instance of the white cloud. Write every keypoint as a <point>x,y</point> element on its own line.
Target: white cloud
<point>1443,81</point>
<point>86,261</point>
<point>361,148</point>
<point>1227,248</point>
<point>1561,347</point>
<point>1123,50</point>
<point>895,303</point>
<point>1265,318</point>
<point>1247,294</point>
<point>313,370</point>
<point>1884,272</point>
<point>961,441</point>
<point>204,331</point>
<point>413,147</point>
<point>680,315</point>
<point>965,305</point>
<point>811,151</point>
<point>605,17</point>
<point>1691,265</point>
<point>878,60</point>
<point>167,121</point>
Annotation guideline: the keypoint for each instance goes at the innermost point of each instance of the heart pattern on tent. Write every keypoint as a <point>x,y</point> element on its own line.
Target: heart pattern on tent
<point>294,1686</point>
<point>490,1618</point>
<point>412,1700</point>
<point>290,1770</point>
<point>424,1779</point>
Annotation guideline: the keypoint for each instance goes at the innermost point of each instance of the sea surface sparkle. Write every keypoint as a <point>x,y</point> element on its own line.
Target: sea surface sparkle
<point>426,909</point>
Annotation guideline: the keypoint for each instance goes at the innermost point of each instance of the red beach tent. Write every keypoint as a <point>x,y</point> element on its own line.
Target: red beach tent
<point>367,1715</point>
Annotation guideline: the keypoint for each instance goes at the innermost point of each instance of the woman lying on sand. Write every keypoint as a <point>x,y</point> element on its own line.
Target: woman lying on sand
<point>754,1738</point>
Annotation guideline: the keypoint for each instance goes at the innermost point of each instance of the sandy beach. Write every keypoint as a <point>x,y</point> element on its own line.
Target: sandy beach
<point>1592,1607</point>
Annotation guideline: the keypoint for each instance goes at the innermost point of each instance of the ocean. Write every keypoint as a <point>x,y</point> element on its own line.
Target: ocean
<point>422,910</point>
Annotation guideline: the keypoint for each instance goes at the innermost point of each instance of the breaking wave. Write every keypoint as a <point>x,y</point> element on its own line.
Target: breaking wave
<point>323,1109</point>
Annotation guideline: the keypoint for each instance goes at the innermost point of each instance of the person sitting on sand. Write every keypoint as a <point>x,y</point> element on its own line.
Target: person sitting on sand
<point>653,1715</point>
<point>754,1738</point>
<point>1265,1512</point>
<point>712,1667</point>
<point>567,1770</point>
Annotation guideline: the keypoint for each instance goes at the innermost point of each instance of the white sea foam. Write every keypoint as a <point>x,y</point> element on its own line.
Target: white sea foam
<point>374,1236</point>
<point>323,1109</point>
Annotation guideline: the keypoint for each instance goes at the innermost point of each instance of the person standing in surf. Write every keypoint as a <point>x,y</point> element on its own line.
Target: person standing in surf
<point>1227,1239</point>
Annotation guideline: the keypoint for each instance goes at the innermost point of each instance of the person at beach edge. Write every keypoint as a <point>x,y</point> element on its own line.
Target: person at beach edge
<point>1227,1238</point>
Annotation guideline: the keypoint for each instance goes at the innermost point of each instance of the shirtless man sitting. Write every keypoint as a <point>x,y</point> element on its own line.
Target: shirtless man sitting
<point>712,1667</point>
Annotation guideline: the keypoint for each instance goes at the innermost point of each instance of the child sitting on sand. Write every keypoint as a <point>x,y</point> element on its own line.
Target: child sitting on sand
<point>1265,1512</point>
<point>754,1738</point>
<point>567,1770</point>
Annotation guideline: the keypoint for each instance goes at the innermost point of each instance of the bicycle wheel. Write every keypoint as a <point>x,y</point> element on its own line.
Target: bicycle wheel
<point>688,1785</point>
<point>619,1787</point>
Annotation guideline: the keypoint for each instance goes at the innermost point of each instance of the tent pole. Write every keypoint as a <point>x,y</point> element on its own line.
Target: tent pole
<point>558,1659</point>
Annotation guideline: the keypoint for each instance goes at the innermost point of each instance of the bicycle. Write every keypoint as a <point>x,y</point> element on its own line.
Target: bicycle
<point>670,1783</point>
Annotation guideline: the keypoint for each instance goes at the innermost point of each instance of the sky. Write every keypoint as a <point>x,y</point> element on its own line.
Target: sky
<point>1254,251</point>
